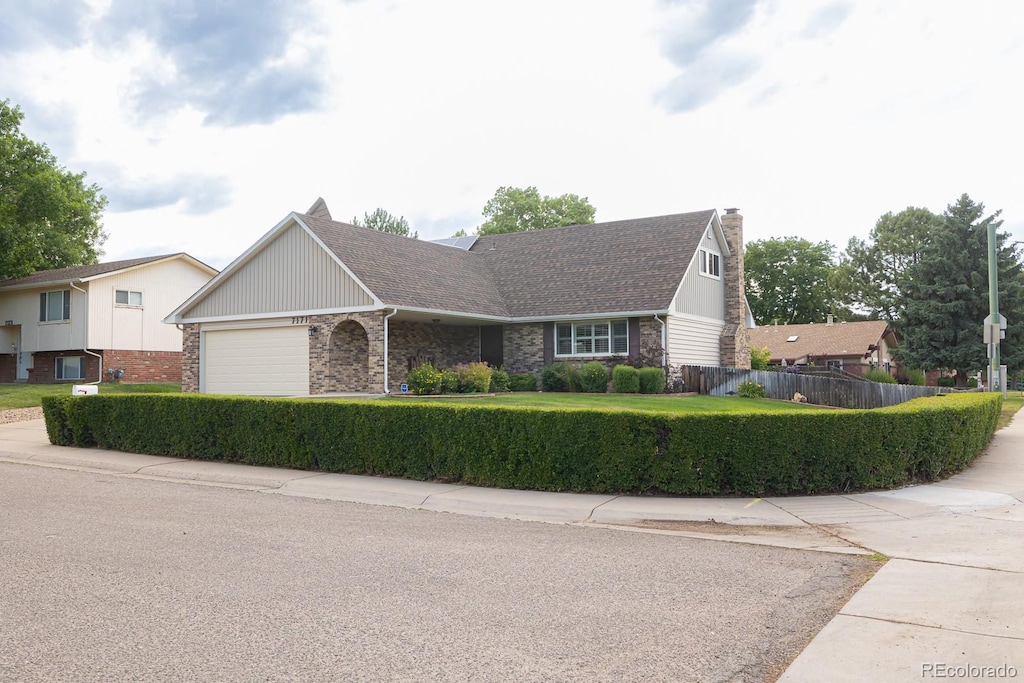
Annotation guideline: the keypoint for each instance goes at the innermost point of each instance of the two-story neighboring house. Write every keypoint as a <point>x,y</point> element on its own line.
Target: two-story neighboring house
<point>87,323</point>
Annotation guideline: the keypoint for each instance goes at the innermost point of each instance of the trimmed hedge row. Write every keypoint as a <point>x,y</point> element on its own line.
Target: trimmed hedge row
<point>796,452</point>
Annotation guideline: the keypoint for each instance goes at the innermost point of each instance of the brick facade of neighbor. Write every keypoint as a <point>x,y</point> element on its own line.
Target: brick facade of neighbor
<point>44,364</point>
<point>523,348</point>
<point>347,369</point>
<point>734,342</point>
<point>190,358</point>
<point>8,368</point>
<point>143,366</point>
<point>444,346</point>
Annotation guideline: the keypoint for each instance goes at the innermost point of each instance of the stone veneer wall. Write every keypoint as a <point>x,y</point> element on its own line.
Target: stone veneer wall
<point>444,346</point>
<point>144,366</point>
<point>322,377</point>
<point>44,365</point>
<point>190,358</point>
<point>734,343</point>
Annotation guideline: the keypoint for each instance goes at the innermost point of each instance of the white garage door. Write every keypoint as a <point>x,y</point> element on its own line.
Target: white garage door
<point>266,361</point>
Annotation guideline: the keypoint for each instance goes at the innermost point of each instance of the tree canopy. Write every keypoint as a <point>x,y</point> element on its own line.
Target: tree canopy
<point>385,222</point>
<point>872,274</point>
<point>514,209</point>
<point>946,295</point>
<point>49,217</point>
<point>788,280</point>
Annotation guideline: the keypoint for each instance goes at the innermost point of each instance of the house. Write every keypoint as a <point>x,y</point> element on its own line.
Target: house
<point>317,306</point>
<point>853,347</point>
<point>87,322</point>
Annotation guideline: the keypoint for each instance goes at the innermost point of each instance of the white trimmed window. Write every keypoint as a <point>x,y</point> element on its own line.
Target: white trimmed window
<point>70,367</point>
<point>54,306</point>
<point>126,297</point>
<point>710,263</point>
<point>592,338</point>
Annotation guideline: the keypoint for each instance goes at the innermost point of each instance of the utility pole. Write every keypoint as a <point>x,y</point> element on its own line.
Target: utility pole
<point>994,323</point>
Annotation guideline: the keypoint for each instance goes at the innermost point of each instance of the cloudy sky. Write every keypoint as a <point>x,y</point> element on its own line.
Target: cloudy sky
<point>206,121</point>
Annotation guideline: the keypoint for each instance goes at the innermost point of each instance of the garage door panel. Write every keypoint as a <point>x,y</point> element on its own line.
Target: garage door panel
<point>268,361</point>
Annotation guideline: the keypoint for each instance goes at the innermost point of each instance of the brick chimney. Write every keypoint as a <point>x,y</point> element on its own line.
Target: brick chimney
<point>734,343</point>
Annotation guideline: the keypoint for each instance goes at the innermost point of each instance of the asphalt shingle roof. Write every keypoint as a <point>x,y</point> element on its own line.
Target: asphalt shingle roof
<point>819,339</point>
<point>630,265</point>
<point>79,272</point>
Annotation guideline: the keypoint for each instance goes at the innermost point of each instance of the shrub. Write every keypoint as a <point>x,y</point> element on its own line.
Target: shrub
<point>449,381</point>
<point>522,381</point>
<point>880,376</point>
<point>425,379</point>
<point>594,378</point>
<point>760,357</point>
<point>652,380</point>
<point>625,379</point>
<point>499,381</point>
<point>946,382</point>
<point>474,378</point>
<point>561,376</point>
<point>915,377</point>
<point>733,453</point>
<point>972,383</point>
<point>751,389</point>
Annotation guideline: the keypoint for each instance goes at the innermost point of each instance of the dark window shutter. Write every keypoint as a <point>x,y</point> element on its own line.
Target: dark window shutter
<point>67,304</point>
<point>549,343</point>
<point>42,307</point>
<point>634,337</point>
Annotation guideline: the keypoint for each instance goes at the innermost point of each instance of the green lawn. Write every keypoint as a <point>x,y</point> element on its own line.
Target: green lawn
<point>645,403</point>
<point>1013,402</point>
<point>30,395</point>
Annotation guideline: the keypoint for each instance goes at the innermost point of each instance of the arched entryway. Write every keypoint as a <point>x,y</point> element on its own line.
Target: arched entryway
<point>349,367</point>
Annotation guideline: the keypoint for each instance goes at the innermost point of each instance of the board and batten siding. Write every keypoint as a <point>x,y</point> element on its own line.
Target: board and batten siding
<point>700,295</point>
<point>164,285</point>
<point>693,342</point>
<point>291,274</point>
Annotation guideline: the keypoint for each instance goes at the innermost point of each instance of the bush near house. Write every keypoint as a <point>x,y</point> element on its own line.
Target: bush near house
<point>474,378</point>
<point>652,380</point>
<point>522,381</point>
<point>625,379</point>
<point>499,381</point>
<point>880,376</point>
<point>561,376</point>
<point>798,452</point>
<point>594,378</point>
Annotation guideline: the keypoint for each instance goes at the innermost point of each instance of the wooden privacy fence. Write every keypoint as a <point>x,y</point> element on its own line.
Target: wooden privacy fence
<point>825,391</point>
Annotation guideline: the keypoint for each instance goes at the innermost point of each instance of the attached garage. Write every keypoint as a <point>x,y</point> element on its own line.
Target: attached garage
<point>264,361</point>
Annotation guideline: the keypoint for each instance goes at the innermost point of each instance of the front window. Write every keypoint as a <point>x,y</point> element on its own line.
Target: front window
<point>127,297</point>
<point>70,367</point>
<point>55,306</point>
<point>592,338</point>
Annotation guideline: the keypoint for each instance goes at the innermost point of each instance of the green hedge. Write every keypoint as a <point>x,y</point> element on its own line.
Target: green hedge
<point>798,452</point>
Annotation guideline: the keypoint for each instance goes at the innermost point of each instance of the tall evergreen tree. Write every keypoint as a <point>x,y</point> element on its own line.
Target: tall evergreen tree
<point>946,295</point>
<point>385,222</point>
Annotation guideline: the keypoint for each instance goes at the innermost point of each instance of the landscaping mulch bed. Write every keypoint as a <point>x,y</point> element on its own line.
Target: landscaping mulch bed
<point>20,414</point>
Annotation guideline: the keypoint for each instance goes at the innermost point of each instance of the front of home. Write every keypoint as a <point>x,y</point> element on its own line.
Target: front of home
<point>853,347</point>
<point>86,323</point>
<point>317,306</point>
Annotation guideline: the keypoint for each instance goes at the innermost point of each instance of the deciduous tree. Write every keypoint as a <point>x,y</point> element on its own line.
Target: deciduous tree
<point>787,281</point>
<point>49,217</point>
<point>514,209</point>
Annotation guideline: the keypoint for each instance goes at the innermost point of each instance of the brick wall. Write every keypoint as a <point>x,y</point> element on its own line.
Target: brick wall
<point>8,368</point>
<point>347,369</point>
<point>144,366</point>
<point>524,347</point>
<point>44,366</point>
<point>349,358</point>
<point>444,346</point>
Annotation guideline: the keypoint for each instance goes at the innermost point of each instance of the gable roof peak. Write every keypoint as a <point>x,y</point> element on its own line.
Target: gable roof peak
<point>319,209</point>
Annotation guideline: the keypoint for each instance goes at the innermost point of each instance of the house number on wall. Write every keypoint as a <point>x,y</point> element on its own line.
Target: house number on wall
<point>304,320</point>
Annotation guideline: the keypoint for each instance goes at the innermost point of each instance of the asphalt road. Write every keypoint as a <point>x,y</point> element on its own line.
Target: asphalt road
<point>110,578</point>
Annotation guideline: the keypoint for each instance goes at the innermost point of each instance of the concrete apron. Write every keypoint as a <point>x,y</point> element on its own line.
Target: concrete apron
<point>948,603</point>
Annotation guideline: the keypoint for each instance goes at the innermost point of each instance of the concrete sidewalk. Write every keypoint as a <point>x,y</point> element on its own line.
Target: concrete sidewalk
<point>948,603</point>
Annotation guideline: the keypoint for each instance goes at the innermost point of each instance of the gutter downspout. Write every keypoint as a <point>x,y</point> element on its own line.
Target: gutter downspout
<point>91,353</point>
<point>394,311</point>
<point>664,351</point>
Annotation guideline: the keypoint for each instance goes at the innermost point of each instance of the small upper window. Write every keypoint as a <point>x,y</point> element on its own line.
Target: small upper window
<point>55,306</point>
<point>710,263</point>
<point>127,297</point>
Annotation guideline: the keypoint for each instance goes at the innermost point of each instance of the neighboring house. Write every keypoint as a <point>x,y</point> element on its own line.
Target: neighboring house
<point>317,306</point>
<point>77,324</point>
<point>853,347</point>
